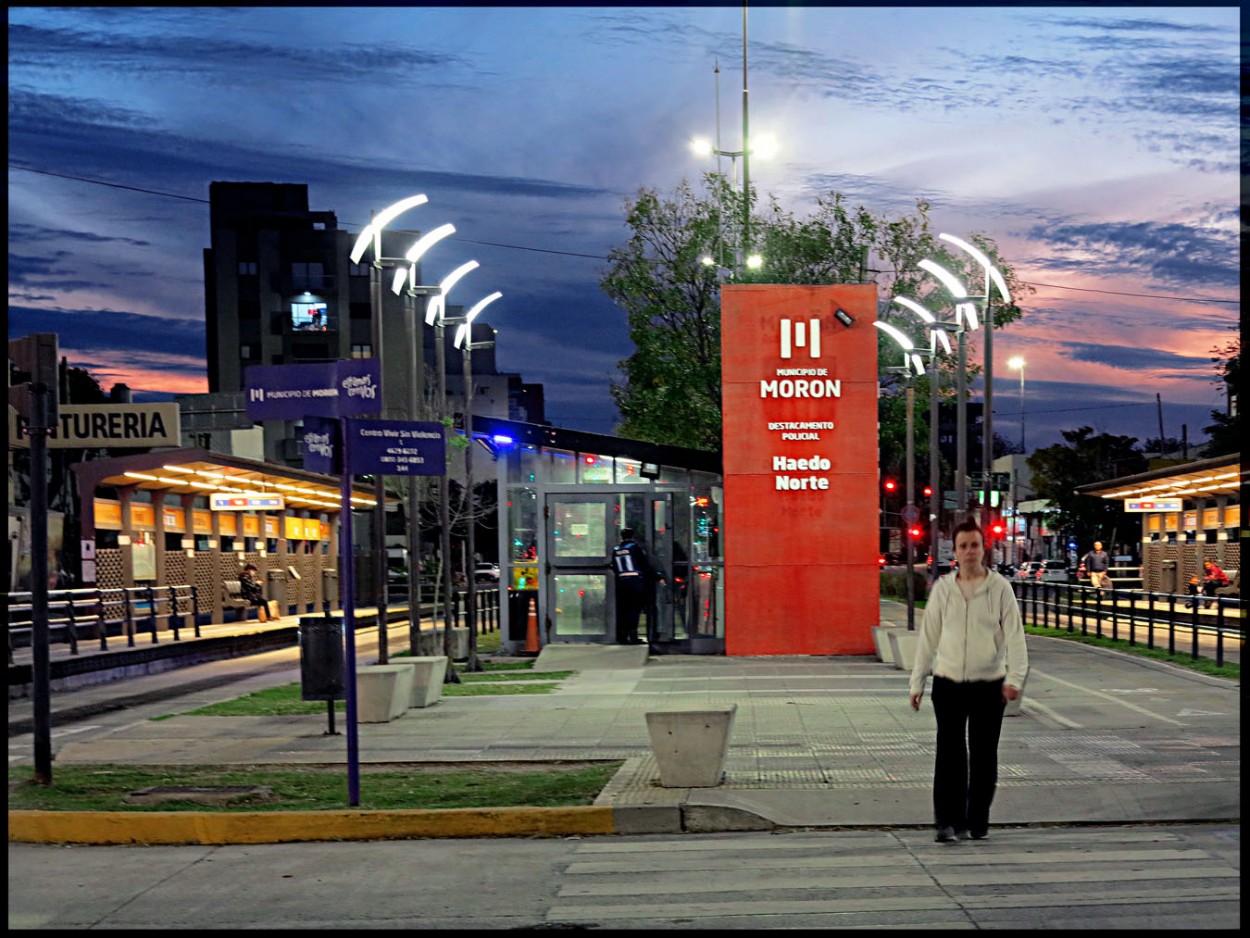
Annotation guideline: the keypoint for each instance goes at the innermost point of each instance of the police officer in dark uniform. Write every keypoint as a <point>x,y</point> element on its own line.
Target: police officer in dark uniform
<point>634,582</point>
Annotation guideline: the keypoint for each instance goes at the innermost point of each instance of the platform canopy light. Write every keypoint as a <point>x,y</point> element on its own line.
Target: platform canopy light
<point>957,291</point>
<point>423,244</point>
<point>380,221</point>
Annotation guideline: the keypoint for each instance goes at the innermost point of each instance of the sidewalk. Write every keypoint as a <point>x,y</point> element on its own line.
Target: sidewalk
<point>1102,737</point>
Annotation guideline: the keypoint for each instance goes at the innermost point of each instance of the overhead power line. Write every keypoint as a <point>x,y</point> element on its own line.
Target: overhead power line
<point>597,257</point>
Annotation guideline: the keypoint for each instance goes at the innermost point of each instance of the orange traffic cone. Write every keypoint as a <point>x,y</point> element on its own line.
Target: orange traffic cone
<point>531,628</point>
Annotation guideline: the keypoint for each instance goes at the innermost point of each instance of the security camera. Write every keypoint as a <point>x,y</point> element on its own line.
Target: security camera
<point>843,317</point>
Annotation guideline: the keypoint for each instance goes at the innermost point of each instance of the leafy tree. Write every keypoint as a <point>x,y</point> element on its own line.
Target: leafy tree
<point>671,297</point>
<point>1084,458</point>
<point>1227,431</point>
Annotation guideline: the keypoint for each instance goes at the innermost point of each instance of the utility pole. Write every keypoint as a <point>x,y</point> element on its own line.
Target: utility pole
<point>36,355</point>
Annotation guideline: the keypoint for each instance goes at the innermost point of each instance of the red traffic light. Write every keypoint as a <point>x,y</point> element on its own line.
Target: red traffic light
<point>997,529</point>
<point>890,485</point>
<point>928,491</point>
<point>916,532</point>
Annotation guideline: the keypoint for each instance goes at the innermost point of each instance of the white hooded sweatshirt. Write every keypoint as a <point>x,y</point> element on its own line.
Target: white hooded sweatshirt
<point>977,639</point>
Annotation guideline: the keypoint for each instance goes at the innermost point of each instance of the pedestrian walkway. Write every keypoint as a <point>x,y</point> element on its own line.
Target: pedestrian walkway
<point>818,742</point>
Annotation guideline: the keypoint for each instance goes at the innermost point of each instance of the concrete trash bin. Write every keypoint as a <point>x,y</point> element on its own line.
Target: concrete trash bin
<point>321,658</point>
<point>690,745</point>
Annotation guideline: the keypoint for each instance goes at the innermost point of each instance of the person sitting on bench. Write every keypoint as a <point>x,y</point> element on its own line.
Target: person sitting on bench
<point>1212,576</point>
<point>251,589</point>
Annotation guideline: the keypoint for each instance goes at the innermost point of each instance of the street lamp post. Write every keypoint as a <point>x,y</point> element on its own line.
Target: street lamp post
<point>965,320</point>
<point>435,315</point>
<point>464,341</point>
<point>936,334</point>
<point>995,278</point>
<point>1017,362</point>
<point>912,366</point>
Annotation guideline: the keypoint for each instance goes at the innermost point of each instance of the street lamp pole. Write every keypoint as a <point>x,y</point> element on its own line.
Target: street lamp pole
<point>992,277</point>
<point>436,316</point>
<point>746,147</point>
<point>936,498</point>
<point>911,362</point>
<point>464,339</point>
<point>1017,362</point>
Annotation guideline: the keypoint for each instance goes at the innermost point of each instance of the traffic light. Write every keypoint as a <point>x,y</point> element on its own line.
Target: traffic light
<point>890,486</point>
<point>928,491</point>
<point>916,532</point>
<point>997,529</point>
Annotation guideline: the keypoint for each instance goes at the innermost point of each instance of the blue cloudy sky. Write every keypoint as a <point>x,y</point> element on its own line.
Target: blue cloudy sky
<point>1096,145</point>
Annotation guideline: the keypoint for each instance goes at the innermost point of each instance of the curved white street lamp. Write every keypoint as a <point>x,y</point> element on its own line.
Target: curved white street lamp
<point>438,310</point>
<point>957,291</point>
<point>936,333</point>
<point>419,247</point>
<point>911,360</point>
<point>992,276</point>
<point>373,230</point>
<point>462,334</point>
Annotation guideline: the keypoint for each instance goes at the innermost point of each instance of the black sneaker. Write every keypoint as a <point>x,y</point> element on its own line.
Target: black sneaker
<point>978,835</point>
<point>945,835</point>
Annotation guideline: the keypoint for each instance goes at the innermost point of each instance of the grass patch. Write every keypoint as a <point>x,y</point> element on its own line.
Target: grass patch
<point>285,700</point>
<point>1229,669</point>
<point>479,689</point>
<point>313,788</point>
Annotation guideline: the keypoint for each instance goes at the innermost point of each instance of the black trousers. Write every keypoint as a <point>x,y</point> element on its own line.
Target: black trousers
<point>630,600</point>
<point>965,772</point>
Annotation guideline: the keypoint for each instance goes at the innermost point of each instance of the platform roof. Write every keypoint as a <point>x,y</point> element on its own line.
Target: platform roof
<point>1203,478</point>
<point>194,471</point>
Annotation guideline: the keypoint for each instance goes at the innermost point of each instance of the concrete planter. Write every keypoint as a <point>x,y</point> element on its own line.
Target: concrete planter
<point>430,643</point>
<point>903,645</point>
<point>690,745</point>
<point>881,639</point>
<point>427,678</point>
<point>383,692</point>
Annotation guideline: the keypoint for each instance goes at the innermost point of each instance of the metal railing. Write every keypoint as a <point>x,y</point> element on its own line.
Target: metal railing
<point>98,614</point>
<point>1136,613</point>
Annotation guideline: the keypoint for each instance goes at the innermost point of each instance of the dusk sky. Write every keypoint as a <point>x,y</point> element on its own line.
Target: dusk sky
<point>1097,145</point>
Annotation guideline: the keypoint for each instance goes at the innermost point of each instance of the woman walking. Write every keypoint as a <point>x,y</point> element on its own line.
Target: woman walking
<point>972,641</point>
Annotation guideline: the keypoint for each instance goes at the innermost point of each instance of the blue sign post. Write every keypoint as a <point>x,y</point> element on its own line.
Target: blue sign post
<point>335,390</point>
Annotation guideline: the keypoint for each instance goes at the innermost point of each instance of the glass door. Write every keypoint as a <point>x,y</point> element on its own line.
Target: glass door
<point>581,532</point>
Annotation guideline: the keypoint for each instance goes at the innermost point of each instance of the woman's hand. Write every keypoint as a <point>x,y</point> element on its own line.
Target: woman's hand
<point>1010,693</point>
<point>915,700</point>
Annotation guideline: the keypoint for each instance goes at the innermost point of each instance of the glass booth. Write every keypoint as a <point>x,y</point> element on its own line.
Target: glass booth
<point>563,498</point>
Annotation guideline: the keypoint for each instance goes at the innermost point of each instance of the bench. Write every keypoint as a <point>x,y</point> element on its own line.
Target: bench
<point>1234,585</point>
<point>383,692</point>
<point>232,595</point>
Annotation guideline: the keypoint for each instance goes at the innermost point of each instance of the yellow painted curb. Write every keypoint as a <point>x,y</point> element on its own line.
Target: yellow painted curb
<point>273,827</point>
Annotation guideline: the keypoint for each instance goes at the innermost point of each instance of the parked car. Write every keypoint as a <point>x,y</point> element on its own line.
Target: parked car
<point>1053,571</point>
<point>486,573</point>
<point>1030,571</point>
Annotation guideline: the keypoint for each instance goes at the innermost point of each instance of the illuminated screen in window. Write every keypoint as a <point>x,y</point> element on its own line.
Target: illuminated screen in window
<point>308,317</point>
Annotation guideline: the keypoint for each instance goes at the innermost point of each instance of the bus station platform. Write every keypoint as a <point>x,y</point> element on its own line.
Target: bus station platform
<point>1102,737</point>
